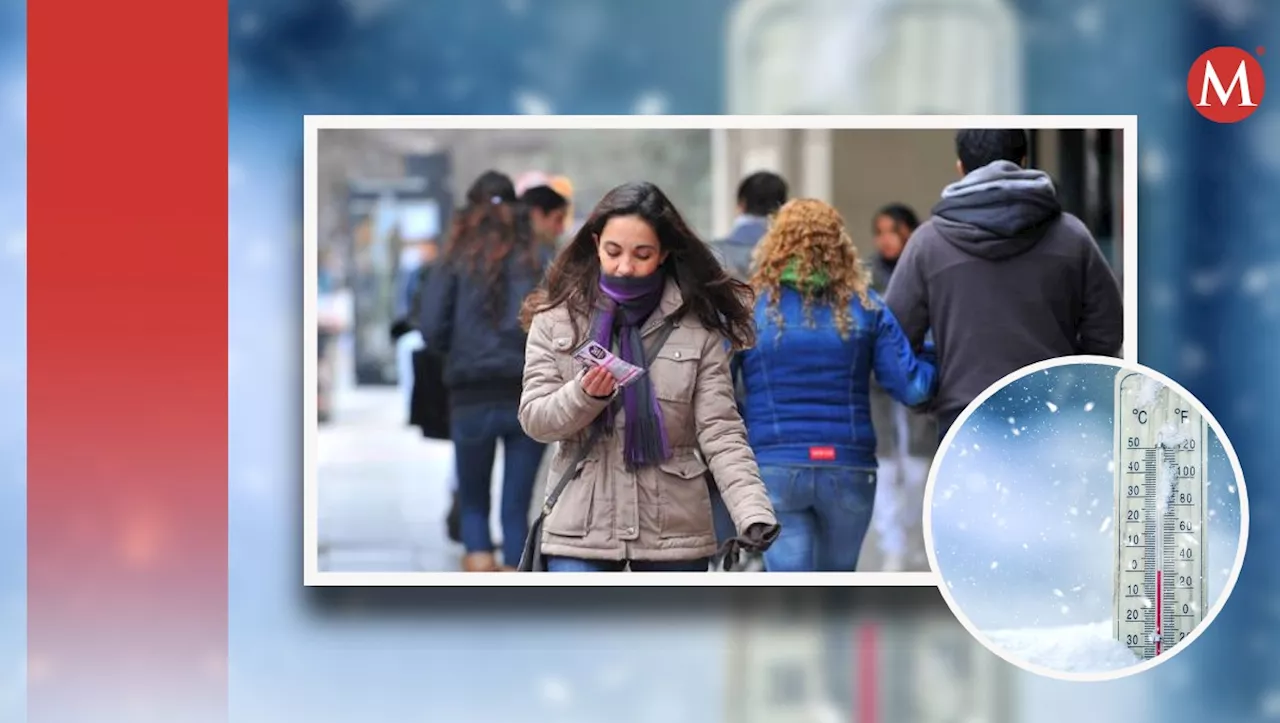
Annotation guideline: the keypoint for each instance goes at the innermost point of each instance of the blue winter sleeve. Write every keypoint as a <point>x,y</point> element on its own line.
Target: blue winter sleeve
<point>907,377</point>
<point>435,319</point>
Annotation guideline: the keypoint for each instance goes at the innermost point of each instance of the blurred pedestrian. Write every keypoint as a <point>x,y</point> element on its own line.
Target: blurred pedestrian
<point>898,429</point>
<point>563,185</point>
<point>548,208</point>
<point>470,314</point>
<point>892,226</point>
<point>416,260</point>
<point>1002,275</point>
<point>760,195</point>
<point>822,333</point>
<point>636,280</point>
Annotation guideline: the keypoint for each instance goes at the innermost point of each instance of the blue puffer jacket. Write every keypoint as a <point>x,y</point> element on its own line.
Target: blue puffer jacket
<point>807,390</point>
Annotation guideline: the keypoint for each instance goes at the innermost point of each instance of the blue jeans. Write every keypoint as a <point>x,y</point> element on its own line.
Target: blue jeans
<point>577,564</point>
<point>476,431</point>
<point>824,511</point>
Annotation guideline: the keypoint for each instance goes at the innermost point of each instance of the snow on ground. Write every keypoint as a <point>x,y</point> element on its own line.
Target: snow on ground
<point>1086,648</point>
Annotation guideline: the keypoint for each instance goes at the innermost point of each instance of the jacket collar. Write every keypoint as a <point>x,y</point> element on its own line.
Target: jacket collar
<point>671,302</point>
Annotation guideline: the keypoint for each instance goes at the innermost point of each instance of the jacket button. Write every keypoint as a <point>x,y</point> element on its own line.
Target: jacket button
<point>677,355</point>
<point>631,530</point>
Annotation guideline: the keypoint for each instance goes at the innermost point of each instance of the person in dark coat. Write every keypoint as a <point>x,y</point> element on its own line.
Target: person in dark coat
<point>470,315</point>
<point>1002,275</point>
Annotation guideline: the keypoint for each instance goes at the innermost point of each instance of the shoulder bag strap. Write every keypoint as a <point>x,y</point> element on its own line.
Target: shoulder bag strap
<point>571,471</point>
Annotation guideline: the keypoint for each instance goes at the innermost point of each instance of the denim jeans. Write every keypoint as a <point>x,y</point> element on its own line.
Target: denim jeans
<point>476,431</point>
<point>577,564</point>
<point>824,511</point>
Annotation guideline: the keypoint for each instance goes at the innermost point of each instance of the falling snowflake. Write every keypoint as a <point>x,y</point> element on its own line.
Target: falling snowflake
<point>16,244</point>
<point>249,24</point>
<point>15,99</point>
<point>1088,20</point>
<point>1232,13</point>
<point>1194,359</point>
<point>1263,130</point>
<point>259,254</point>
<point>554,690</point>
<point>528,102</point>
<point>1154,165</point>
<point>1255,281</point>
<point>235,174</point>
<point>650,102</point>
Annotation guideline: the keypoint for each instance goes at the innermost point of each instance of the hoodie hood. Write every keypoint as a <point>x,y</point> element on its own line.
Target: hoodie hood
<point>997,211</point>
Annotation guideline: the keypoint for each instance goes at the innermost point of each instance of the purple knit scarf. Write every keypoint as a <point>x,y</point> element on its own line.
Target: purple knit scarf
<point>627,302</point>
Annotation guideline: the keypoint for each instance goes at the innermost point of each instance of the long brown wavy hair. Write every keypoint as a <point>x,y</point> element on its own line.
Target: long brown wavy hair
<point>488,231</point>
<point>720,302</point>
<point>810,235</point>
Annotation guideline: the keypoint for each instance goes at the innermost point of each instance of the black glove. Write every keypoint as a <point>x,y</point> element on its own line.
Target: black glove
<point>759,536</point>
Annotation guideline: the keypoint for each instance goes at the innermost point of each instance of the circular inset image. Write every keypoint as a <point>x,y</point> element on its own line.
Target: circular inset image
<point>1087,517</point>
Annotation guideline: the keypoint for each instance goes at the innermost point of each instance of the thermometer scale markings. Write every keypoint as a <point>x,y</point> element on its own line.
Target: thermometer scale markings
<point>1160,590</point>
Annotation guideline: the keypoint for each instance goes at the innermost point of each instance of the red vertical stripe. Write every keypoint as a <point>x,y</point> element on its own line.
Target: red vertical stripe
<point>868,683</point>
<point>1159,610</point>
<point>127,354</point>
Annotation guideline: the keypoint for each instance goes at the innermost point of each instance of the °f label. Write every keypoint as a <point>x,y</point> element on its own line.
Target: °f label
<point>1160,591</point>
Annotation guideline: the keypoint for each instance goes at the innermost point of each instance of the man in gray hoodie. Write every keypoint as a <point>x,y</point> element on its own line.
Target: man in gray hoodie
<point>1003,276</point>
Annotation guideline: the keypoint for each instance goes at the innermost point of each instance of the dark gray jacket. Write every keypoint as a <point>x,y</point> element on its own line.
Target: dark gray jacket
<point>484,352</point>
<point>1004,278</point>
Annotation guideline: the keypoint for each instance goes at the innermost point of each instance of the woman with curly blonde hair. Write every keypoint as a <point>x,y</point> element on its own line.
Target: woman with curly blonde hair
<point>821,333</point>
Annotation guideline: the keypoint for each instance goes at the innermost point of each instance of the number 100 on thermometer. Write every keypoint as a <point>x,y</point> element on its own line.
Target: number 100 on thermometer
<point>1160,592</point>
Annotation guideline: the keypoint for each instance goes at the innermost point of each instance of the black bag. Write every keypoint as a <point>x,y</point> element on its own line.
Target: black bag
<point>429,403</point>
<point>531,560</point>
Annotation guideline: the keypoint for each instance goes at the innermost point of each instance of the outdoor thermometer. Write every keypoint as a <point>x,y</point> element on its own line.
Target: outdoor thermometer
<point>1160,460</point>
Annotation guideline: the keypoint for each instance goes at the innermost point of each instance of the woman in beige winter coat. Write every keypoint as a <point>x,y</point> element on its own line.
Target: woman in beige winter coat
<point>640,499</point>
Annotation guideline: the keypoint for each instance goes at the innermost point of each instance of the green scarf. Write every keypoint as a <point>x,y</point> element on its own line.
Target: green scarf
<point>817,280</point>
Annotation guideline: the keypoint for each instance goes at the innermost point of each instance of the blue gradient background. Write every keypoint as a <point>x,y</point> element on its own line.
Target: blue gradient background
<point>1209,304</point>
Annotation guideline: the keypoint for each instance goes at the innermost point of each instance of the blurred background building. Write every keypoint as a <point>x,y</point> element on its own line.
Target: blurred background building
<point>858,171</point>
<point>380,190</point>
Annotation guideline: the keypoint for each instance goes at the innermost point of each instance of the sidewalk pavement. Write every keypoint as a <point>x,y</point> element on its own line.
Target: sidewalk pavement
<point>384,491</point>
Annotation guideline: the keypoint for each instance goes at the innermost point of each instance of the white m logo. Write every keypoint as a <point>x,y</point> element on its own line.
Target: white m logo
<point>1211,77</point>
